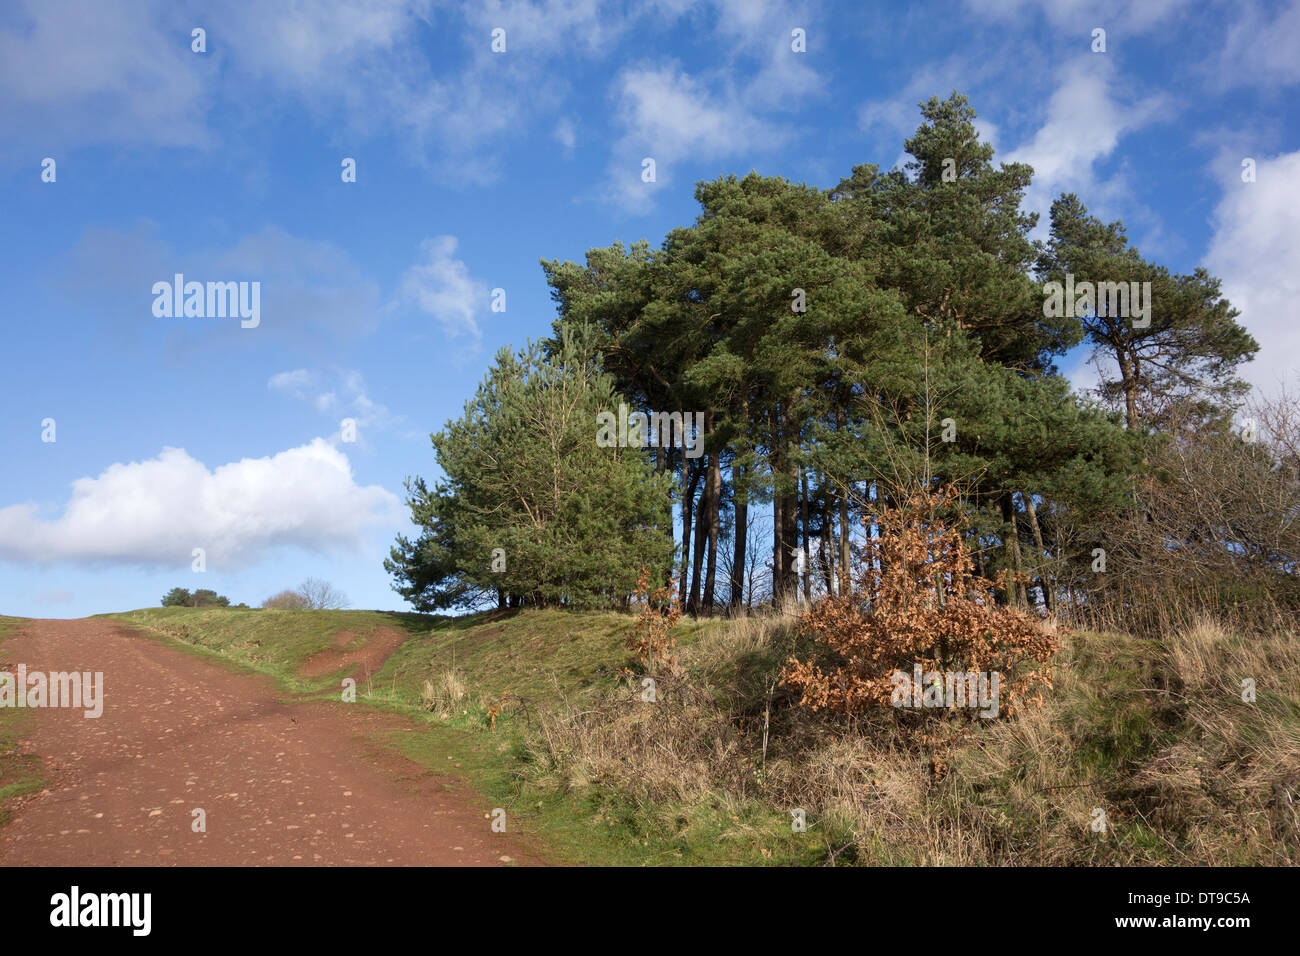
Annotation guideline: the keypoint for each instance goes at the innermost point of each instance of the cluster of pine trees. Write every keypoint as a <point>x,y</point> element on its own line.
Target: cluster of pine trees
<point>203,597</point>
<point>847,347</point>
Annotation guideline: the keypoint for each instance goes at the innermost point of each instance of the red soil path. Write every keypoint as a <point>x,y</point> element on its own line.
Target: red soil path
<point>282,784</point>
<point>362,659</point>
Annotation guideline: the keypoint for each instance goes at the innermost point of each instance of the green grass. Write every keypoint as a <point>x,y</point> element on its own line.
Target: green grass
<point>272,642</point>
<point>19,773</point>
<point>540,661</point>
<point>537,655</point>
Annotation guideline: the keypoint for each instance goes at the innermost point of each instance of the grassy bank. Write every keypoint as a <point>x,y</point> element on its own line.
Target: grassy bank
<point>1151,738</point>
<point>544,711</point>
<point>19,773</point>
<point>278,643</point>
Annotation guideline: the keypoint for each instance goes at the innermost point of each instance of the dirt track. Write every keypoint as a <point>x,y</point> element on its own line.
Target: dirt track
<point>293,784</point>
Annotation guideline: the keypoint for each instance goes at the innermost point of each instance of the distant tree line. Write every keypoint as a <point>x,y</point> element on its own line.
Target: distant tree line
<point>312,594</point>
<point>182,597</point>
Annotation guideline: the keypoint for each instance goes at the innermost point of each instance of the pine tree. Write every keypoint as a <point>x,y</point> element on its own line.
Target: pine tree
<point>1185,352</point>
<point>531,507</point>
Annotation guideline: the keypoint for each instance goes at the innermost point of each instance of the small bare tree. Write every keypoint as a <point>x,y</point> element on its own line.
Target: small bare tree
<point>320,595</point>
<point>1219,524</point>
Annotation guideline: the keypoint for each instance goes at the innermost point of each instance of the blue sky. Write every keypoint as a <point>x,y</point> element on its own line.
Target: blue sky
<point>181,433</point>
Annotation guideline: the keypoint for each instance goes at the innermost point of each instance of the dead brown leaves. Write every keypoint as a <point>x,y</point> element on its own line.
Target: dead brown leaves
<point>918,601</point>
<point>652,636</point>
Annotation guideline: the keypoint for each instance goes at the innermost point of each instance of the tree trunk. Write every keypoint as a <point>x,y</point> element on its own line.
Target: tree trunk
<point>701,538</point>
<point>789,510</point>
<point>784,517</point>
<point>807,549</point>
<point>714,518</point>
<point>828,559</point>
<point>741,525</point>
<point>664,463</point>
<point>1011,544</point>
<point>688,512</point>
<point>846,576</point>
<point>778,520</point>
<point>778,557</point>
<point>1044,581</point>
<point>1129,382</point>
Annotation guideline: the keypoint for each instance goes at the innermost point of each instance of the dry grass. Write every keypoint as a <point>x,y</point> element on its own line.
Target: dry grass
<point>717,651</point>
<point>1153,733</point>
<point>446,695</point>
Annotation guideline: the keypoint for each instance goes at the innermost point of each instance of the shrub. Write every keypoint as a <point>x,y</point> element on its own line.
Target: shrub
<point>286,600</point>
<point>652,636</point>
<point>1217,532</point>
<point>920,603</point>
<point>312,595</point>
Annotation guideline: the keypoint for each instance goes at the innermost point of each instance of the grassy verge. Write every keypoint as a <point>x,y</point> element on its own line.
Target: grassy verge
<point>19,773</point>
<point>502,679</point>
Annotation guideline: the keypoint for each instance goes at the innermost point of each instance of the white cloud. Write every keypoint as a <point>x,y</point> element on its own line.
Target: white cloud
<point>440,284</point>
<point>154,513</point>
<point>670,116</point>
<point>294,382</point>
<point>109,71</point>
<point>1255,250</point>
<point>422,71</point>
<point>670,109</point>
<point>1259,51</point>
<point>1082,15</point>
<point>564,133</point>
<point>345,393</point>
<point>1084,125</point>
<point>359,68</point>
<point>895,119</point>
<point>315,46</point>
<point>760,30</point>
<point>547,26</point>
<point>122,71</point>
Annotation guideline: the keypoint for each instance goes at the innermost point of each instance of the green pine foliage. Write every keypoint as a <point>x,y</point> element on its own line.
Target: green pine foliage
<point>530,510</point>
<point>202,597</point>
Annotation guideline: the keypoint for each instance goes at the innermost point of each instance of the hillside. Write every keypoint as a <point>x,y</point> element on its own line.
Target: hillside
<point>543,709</point>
